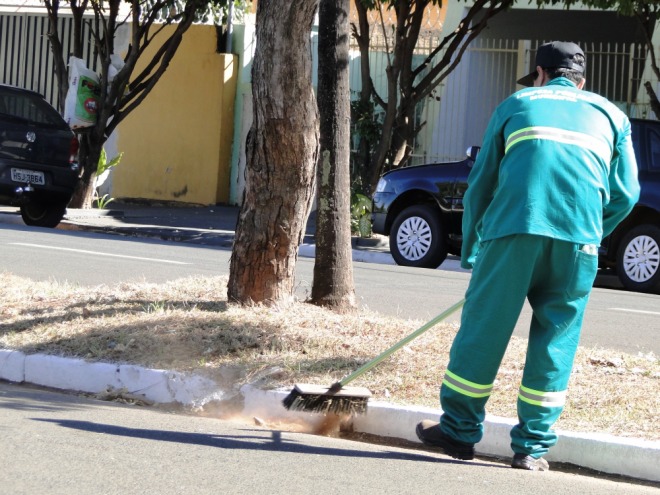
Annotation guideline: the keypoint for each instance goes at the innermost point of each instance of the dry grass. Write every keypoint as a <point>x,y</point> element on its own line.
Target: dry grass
<point>188,325</point>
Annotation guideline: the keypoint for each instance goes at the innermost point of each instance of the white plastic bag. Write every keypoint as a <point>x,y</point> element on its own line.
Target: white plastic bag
<point>82,99</point>
<point>116,64</point>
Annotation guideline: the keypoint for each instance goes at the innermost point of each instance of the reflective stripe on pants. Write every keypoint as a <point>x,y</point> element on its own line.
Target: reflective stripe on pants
<point>556,277</point>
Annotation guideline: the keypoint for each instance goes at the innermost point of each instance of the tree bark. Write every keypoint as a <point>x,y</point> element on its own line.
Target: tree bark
<point>362,37</point>
<point>59,65</point>
<point>88,158</point>
<point>333,283</point>
<point>653,98</point>
<point>282,150</point>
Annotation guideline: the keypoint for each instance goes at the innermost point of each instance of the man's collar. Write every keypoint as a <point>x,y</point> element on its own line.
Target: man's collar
<point>561,81</point>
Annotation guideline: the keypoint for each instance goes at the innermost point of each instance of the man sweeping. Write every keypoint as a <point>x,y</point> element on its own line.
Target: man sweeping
<point>555,175</point>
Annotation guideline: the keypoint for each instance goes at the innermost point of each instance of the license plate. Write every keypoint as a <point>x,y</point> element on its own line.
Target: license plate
<point>28,176</point>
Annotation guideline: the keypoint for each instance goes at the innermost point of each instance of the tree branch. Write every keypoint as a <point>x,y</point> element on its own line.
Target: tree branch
<point>52,9</point>
<point>362,36</point>
<point>459,42</point>
<point>647,21</point>
<point>655,104</point>
<point>382,26</point>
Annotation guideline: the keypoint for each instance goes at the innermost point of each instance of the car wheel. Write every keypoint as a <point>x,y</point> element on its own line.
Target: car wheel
<point>638,259</point>
<point>39,214</point>
<point>417,238</point>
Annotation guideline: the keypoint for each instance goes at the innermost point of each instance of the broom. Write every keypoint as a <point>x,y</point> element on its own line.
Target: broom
<point>353,400</point>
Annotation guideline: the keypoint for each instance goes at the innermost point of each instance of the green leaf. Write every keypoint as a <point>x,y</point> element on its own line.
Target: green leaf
<point>104,165</point>
<point>365,226</point>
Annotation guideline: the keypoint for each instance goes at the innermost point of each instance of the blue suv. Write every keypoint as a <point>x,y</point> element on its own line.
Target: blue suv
<point>421,210</point>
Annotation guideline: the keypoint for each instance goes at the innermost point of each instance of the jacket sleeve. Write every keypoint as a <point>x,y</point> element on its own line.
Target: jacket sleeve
<point>482,183</point>
<point>623,182</point>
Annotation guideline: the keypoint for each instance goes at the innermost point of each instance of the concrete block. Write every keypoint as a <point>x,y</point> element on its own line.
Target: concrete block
<point>150,384</point>
<point>12,365</point>
<point>388,420</point>
<point>193,390</point>
<point>632,457</point>
<point>70,374</point>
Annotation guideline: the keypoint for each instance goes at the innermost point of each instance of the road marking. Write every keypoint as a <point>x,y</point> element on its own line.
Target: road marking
<point>97,253</point>
<point>654,313</point>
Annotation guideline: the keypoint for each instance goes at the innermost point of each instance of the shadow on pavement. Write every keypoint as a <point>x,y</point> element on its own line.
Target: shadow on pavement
<point>251,440</point>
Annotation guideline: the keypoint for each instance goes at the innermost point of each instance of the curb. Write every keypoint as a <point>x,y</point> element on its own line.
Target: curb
<point>634,458</point>
<point>380,257</point>
<point>72,213</point>
<point>159,386</point>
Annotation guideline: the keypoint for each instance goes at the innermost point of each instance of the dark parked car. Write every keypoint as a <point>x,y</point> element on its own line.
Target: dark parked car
<point>38,157</point>
<point>421,210</point>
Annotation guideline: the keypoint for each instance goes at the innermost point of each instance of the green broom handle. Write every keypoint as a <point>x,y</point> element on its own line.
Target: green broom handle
<point>367,366</point>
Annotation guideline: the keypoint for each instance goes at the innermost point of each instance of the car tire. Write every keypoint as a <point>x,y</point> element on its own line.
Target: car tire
<point>638,259</point>
<point>38,214</point>
<point>417,238</point>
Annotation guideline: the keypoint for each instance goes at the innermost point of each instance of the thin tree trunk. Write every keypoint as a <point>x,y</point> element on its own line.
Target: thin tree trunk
<point>362,36</point>
<point>281,155</point>
<point>653,98</point>
<point>399,126</point>
<point>333,270</point>
<point>403,133</point>
<point>59,63</point>
<point>89,153</point>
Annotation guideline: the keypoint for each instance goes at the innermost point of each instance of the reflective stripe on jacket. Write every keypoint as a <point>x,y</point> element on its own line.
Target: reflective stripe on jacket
<point>556,161</point>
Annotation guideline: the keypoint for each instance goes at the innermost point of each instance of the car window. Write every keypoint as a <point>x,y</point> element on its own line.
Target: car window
<point>654,149</point>
<point>26,107</point>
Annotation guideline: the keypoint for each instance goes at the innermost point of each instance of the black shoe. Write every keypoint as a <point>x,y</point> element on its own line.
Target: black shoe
<point>430,434</point>
<point>524,461</point>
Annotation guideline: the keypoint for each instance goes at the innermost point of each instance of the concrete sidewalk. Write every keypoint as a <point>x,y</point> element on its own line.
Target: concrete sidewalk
<point>634,458</point>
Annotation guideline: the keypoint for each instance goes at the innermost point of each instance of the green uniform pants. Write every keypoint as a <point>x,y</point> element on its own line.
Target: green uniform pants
<point>556,277</point>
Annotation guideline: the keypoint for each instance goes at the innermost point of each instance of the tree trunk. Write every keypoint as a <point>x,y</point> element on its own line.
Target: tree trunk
<point>653,98</point>
<point>282,150</point>
<point>333,269</point>
<point>396,56</point>
<point>403,134</point>
<point>88,158</point>
<point>59,65</point>
<point>362,36</point>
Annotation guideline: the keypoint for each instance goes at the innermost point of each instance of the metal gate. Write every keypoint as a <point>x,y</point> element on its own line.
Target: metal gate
<point>457,114</point>
<point>26,60</point>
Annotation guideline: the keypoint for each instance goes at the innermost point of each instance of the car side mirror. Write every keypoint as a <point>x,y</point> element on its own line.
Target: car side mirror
<point>472,152</point>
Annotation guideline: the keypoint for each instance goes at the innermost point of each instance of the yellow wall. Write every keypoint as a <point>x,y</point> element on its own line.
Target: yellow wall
<point>177,143</point>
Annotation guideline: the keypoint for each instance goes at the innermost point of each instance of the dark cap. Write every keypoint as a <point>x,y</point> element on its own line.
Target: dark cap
<point>553,55</point>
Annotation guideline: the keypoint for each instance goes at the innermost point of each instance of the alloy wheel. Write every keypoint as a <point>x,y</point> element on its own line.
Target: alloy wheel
<point>414,238</point>
<point>641,259</point>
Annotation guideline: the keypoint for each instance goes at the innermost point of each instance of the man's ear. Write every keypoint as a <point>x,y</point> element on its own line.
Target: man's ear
<point>540,74</point>
<point>581,84</point>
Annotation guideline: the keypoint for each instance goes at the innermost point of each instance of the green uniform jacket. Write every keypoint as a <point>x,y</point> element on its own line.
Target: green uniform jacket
<point>556,161</point>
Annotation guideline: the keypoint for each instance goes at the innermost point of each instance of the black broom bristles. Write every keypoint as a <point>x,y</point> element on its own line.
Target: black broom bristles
<point>324,400</point>
<point>340,400</point>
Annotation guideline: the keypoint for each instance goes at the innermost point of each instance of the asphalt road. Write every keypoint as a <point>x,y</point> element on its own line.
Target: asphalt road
<point>624,321</point>
<point>54,443</point>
